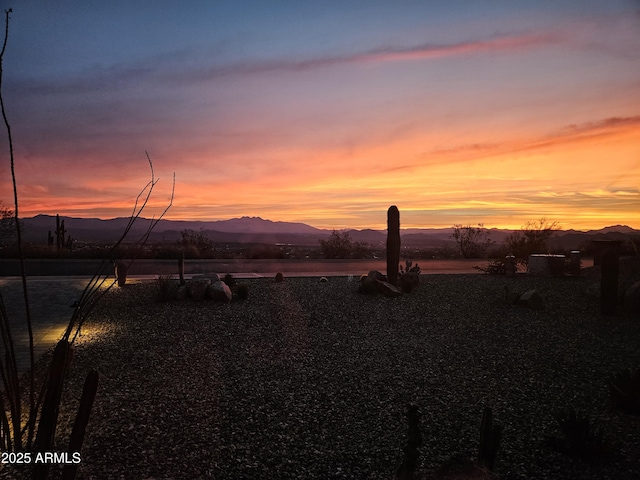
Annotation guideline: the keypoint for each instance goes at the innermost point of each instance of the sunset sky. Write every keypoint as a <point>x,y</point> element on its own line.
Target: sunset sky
<point>327,113</point>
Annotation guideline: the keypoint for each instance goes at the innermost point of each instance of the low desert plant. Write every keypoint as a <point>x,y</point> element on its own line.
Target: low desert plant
<point>625,391</point>
<point>242,291</point>
<point>497,266</point>
<point>581,436</point>
<point>167,287</point>
<point>279,277</point>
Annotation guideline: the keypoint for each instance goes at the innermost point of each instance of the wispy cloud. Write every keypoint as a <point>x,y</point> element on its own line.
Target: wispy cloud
<point>568,134</point>
<point>169,68</point>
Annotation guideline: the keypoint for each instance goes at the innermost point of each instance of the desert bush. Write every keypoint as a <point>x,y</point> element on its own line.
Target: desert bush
<point>279,277</point>
<point>496,266</point>
<point>580,435</point>
<point>242,291</point>
<point>472,242</point>
<point>167,287</point>
<point>340,245</point>
<point>532,238</point>
<point>197,244</point>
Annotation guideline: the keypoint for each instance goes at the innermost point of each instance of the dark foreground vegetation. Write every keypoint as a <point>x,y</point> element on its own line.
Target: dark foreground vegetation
<point>309,379</point>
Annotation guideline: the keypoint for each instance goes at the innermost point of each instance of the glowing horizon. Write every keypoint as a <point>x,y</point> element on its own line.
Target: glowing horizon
<point>497,115</point>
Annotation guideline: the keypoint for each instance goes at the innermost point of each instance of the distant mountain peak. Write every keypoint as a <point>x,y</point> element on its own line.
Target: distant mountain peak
<point>617,228</point>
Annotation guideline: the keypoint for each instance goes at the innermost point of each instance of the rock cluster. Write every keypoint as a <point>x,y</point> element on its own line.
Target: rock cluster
<point>375,282</point>
<point>205,287</point>
<point>530,299</point>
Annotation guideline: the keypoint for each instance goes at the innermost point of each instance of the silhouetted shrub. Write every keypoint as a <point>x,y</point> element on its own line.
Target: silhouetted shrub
<point>279,277</point>
<point>531,239</point>
<point>197,244</point>
<point>340,245</point>
<point>167,287</point>
<point>497,266</point>
<point>581,436</point>
<point>472,242</point>
<point>242,291</point>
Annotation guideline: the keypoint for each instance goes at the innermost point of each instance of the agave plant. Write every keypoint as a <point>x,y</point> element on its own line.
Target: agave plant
<point>581,436</point>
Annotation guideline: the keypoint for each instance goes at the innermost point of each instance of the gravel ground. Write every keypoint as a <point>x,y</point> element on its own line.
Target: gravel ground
<point>311,380</point>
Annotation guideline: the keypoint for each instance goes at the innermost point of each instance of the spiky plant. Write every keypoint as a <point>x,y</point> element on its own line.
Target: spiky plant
<point>167,287</point>
<point>581,436</point>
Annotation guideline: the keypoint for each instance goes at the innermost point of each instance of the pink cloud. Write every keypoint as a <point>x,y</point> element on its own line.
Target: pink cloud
<point>428,51</point>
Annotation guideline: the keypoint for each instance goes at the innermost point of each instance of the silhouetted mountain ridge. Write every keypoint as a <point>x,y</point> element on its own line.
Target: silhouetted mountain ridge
<point>258,230</point>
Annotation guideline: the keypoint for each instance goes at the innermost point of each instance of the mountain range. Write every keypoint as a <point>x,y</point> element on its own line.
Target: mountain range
<point>258,230</point>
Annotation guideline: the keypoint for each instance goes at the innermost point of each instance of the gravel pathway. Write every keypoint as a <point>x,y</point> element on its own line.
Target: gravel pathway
<point>311,380</point>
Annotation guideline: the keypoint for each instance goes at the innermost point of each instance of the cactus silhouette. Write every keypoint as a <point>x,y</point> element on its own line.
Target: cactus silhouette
<point>80,425</point>
<point>393,244</point>
<point>490,435</point>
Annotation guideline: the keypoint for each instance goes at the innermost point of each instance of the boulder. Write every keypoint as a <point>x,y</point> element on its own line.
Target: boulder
<point>197,288</point>
<point>531,299</point>
<point>324,279</point>
<point>387,289</point>
<point>219,291</point>
<point>510,298</point>
<point>214,277</point>
<point>369,283</point>
<point>632,301</point>
<point>377,275</point>
<point>375,282</point>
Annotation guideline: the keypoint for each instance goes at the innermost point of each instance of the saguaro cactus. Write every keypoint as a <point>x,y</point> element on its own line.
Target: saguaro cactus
<point>80,425</point>
<point>490,435</point>
<point>609,282</point>
<point>181,268</point>
<point>58,232</point>
<point>393,244</point>
<point>414,441</point>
